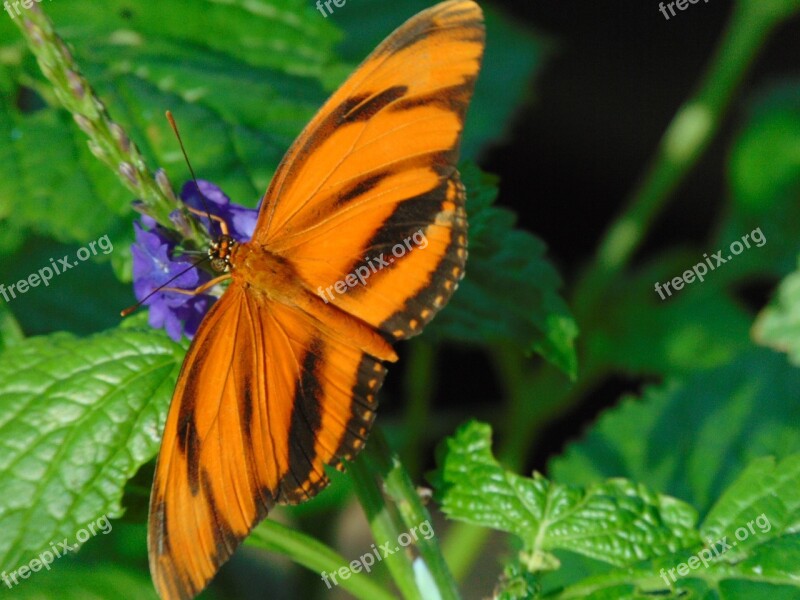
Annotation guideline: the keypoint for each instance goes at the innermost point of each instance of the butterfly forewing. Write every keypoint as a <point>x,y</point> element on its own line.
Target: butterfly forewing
<point>376,166</point>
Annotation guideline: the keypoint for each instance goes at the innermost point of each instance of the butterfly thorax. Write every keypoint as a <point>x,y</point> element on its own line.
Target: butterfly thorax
<point>273,275</point>
<point>275,278</point>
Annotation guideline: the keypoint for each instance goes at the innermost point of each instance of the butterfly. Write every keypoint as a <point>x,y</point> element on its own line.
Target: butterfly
<point>360,240</point>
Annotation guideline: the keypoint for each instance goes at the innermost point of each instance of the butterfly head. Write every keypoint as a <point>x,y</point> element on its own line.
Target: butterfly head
<point>220,253</point>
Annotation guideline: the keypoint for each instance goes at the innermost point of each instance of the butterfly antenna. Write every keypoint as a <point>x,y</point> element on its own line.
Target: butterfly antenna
<point>203,198</point>
<point>135,307</point>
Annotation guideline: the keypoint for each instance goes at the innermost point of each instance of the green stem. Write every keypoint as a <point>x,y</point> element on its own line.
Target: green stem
<point>462,546</point>
<point>688,135</point>
<point>536,397</point>
<point>378,475</point>
<point>419,385</point>
<point>317,557</point>
<point>107,140</point>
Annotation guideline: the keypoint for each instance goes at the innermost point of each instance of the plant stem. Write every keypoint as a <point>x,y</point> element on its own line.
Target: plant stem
<point>688,135</point>
<point>420,382</point>
<point>533,398</point>
<point>107,140</point>
<point>378,475</point>
<point>463,546</point>
<point>316,556</point>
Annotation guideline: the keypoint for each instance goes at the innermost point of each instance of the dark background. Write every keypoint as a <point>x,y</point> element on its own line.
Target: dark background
<point>615,76</point>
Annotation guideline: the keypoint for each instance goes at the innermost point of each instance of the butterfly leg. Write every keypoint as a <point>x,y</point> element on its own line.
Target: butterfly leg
<point>198,290</point>
<point>223,225</point>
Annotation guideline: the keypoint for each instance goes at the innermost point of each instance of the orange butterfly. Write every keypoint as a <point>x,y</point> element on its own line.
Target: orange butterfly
<point>282,375</point>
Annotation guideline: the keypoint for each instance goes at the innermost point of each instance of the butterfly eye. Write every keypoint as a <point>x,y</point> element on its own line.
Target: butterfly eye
<point>220,265</point>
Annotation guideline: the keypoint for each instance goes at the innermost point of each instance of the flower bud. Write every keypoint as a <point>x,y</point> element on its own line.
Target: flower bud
<point>127,170</point>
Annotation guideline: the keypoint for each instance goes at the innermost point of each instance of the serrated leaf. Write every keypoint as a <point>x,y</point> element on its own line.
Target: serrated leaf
<point>761,504</point>
<point>510,292</point>
<point>77,419</point>
<point>617,521</point>
<point>690,438</point>
<point>778,325</point>
<point>750,548</point>
<point>768,572</point>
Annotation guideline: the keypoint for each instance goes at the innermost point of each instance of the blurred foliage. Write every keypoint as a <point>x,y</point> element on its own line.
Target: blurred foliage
<point>509,295</point>
<point>778,325</point>
<point>716,433</point>
<point>714,422</point>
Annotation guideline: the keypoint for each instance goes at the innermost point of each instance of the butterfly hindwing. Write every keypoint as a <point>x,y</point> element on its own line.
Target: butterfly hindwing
<point>264,401</point>
<point>370,187</point>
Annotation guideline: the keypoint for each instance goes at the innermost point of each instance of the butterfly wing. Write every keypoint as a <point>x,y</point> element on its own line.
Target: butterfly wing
<point>264,400</point>
<point>371,188</point>
<point>267,395</point>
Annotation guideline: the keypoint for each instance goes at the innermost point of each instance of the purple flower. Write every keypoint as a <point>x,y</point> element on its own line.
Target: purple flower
<point>155,263</point>
<point>240,220</point>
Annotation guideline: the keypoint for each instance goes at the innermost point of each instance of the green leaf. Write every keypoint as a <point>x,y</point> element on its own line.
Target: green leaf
<point>760,505</point>
<point>32,166</point>
<point>510,292</point>
<point>241,77</point>
<point>70,300</point>
<point>750,548</point>
<point>765,161</point>
<point>768,572</point>
<point>617,521</point>
<point>10,331</point>
<point>778,325</point>
<point>764,179</point>
<point>690,438</point>
<point>698,327</point>
<point>78,417</point>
